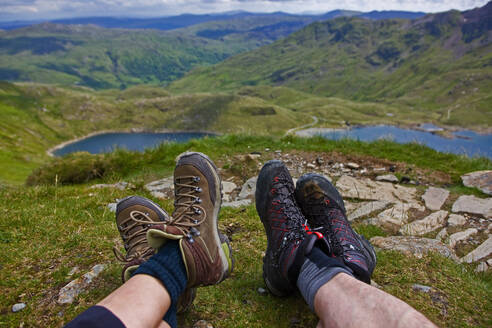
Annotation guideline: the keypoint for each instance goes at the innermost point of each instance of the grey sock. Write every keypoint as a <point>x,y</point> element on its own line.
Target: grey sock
<point>317,270</point>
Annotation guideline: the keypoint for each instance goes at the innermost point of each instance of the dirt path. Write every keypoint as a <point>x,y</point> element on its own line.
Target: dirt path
<point>305,126</point>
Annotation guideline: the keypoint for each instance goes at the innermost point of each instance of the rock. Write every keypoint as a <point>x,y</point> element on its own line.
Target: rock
<point>237,203</point>
<point>18,306</point>
<point>112,207</point>
<point>421,288</point>
<point>164,186</point>
<point>396,216</point>
<point>320,161</point>
<point>119,185</point>
<point>410,245</point>
<point>311,166</point>
<point>227,188</point>
<point>366,209</point>
<point>158,194</point>
<point>484,266</point>
<point>429,223</point>
<point>262,291</point>
<point>442,234</point>
<point>479,179</point>
<point>74,270</point>
<point>405,179</point>
<point>434,198</point>
<point>375,284</point>
<point>456,220</point>
<point>372,190</point>
<point>461,236</point>
<point>379,169</point>
<point>475,205</point>
<point>68,293</point>
<point>202,324</point>
<point>353,166</point>
<point>248,190</point>
<point>482,251</point>
<point>253,156</point>
<point>387,178</point>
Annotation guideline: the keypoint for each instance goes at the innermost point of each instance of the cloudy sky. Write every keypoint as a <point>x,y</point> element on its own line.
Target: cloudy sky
<point>49,9</point>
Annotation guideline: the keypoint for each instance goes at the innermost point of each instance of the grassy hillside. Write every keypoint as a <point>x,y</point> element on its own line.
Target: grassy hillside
<point>50,229</point>
<point>37,117</point>
<point>439,63</point>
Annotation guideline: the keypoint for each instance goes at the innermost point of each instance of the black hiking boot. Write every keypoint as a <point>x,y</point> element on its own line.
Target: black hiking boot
<point>289,239</point>
<point>323,207</point>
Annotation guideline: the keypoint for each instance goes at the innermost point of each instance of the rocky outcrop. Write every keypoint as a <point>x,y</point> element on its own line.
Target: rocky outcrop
<point>475,205</point>
<point>479,179</point>
<point>163,188</point>
<point>460,236</point>
<point>434,198</point>
<point>368,189</point>
<point>396,216</point>
<point>456,220</point>
<point>387,178</point>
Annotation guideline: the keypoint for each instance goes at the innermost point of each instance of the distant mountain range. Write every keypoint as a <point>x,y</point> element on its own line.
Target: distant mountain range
<point>439,61</point>
<point>185,20</point>
<point>90,55</point>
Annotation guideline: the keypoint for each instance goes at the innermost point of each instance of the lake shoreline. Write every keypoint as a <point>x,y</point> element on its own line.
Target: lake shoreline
<point>50,151</point>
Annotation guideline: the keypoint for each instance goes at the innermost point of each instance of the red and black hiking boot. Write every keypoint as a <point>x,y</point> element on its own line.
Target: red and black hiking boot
<point>323,207</point>
<point>289,239</point>
<point>134,216</point>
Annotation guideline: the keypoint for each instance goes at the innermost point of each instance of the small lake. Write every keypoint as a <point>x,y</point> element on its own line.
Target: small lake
<point>107,142</point>
<point>464,142</point>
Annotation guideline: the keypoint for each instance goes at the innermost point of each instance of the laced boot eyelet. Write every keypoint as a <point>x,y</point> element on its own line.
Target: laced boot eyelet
<point>198,200</point>
<point>198,211</point>
<point>196,179</point>
<point>194,231</point>
<point>198,189</point>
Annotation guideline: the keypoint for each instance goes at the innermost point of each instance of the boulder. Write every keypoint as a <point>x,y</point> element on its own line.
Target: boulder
<point>387,178</point>
<point>396,216</point>
<point>429,223</point>
<point>68,293</point>
<point>474,205</point>
<point>456,220</point>
<point>415,246</point>
<point>368,189</point>
<point>164,186</point>
<point>482,251</point>
<point>434,198</point>
<point>479,179</point>
<point>366,209</point>
<point>457,237</point>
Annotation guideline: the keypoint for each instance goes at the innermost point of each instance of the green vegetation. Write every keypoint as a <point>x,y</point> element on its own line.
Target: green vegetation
<point>432,65</point>
<point>48,230</point>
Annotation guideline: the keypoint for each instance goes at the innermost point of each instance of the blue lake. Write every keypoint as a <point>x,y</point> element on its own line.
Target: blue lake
<point>464,142</point>
<point>107,142</point>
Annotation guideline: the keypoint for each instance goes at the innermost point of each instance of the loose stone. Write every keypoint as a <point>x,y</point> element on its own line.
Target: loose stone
<point>17,307</point>
<point>68,293</point>
<point>434,198</point>
<point>227,188</point>
<point>479,179</point>
<point>442,234</point>
<point>112,207</point>
<point>249,188</point>
<point>387,178</point>
<point>367,209</point>
<point>475,205</point>
<point>237,203</point>
<point>429,223</point>
<point>415,246</point>
<point>421,288</point>
<point>482,251</point>
<point>396,216</point>
<point>262,291</point>
<point>373,190</point>
<point>353,166</point>
<point>202,324</point>
<point>456,220</point>
<point>457,237</point>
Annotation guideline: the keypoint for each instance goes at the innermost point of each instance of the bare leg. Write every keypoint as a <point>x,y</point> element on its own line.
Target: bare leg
<point>142,301</point>
<point>346,302</point>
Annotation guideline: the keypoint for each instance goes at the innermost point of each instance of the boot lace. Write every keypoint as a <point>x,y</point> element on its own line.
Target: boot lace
<point>188,213</point>
<point>135,219</point>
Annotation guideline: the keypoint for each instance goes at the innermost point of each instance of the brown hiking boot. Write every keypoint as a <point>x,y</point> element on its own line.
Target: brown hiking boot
<point>134,215</point>
<point>197,189</point>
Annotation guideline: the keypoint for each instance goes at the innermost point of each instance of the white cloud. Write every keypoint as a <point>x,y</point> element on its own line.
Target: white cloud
<point>47,9</point>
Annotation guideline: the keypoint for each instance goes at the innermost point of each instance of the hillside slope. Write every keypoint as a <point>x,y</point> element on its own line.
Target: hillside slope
<point>440,62</point>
